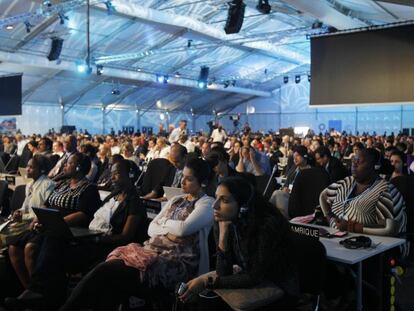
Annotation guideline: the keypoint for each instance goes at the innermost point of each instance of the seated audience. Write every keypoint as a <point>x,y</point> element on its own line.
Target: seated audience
<point>121,219</point>
<point>162,150</point>
<point>332,165</point>
<point>36,193</point>
<point>105,179</point>
<point>398,163</point>
<point>127,151</point>
<point>364,202</point>
<point>280,198</point>
<point>177,250</point>
<point>151,150</point>
<point>75,197</point>
<point>162,172</point>
<point>250,235</point>
<point>249,162</point>
<point>70,146</point>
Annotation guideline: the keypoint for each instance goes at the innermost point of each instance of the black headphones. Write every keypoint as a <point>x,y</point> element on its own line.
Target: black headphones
<point>356,242</point>
<point>244,208</point>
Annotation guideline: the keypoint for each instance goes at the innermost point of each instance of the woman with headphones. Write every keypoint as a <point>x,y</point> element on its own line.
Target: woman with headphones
<point>75,197</point>
<point>250,234</point>
<point>176,251</point>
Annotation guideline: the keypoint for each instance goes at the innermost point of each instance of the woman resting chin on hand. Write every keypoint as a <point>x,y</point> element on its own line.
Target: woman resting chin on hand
<point>251,234</point>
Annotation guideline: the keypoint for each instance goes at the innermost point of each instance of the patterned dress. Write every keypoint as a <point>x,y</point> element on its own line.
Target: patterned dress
<point>379,202</point>
<point>165,262</point>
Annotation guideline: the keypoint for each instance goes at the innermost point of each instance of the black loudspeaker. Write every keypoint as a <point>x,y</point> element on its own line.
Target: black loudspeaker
<point>406,131</point>
<point>412,132</point>
<point>235,17</point>
<point>203,73</point>
<point>55,49</point>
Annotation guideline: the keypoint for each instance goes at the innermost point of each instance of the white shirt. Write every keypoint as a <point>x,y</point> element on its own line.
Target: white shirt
<point>175,135</point>
<point>163,153</point>
<point>218,136</point>
<point>115,150</point>
<point>412,168</point>
<point>189,145</point>
<point>37,193</point>
<point>201,219</point>
<point>20,146</point>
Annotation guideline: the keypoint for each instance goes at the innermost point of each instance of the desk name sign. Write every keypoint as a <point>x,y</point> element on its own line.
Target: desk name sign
<point>11,180</point>
<point>305,230</point>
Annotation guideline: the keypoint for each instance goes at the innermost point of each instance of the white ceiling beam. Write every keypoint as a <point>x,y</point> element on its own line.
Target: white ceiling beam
<point>326,13</point>
<point>42,62</point>
<point>132,9</point>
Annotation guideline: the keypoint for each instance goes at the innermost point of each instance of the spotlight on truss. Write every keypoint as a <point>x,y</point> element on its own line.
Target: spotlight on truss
<point>62,18</point>
<point>263,6</point>
<point>28,26</point>
<point>109,7</point>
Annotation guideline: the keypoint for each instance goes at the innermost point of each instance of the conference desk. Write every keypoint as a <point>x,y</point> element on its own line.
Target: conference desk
<point>336,252</point>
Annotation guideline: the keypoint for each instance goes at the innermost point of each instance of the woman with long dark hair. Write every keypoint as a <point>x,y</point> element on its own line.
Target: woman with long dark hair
<point>250,234</point>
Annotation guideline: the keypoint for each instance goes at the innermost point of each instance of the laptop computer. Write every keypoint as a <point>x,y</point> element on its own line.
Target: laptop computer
<point>170,192</point>
<point>54,225</point>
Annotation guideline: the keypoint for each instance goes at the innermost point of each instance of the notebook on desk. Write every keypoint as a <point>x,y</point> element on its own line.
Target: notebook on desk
<point>54,225</point>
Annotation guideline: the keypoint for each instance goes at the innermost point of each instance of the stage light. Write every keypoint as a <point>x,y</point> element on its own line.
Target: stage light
<point>226,84</point>
<point>116,92</point>
<point>235,17</point>
<point>159,103</point>
<point>82,67</point>
<point>177,74</point>
<point>201,84</point>
<point>189,43</point>
<point>47,3</point>
<point>55,49</point>
<point>285,79</point>
<point>9,27</point>
<point>203,77</point>
<point>139,69</point>
<point>297,79</point>
<point>233,83</point>
<point>317,25</point>
<point>309,78</point>
<point>162,79</point>
<point>99,70</point>
<point>28,26</point>
<point>263,6</point>
<point>63,18</point>
<point>61,106</point>
<point>109,7</point>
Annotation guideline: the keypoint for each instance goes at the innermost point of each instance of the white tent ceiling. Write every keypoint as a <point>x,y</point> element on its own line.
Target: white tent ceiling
<point>148,37</point>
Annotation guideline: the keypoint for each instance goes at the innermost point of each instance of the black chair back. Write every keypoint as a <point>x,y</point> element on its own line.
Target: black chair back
<point>307,187</point>
<point>405,185</point>
<point>309,256</point>
<point>18,197</point>
<point>4,205</point>
<point>13,164</point>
